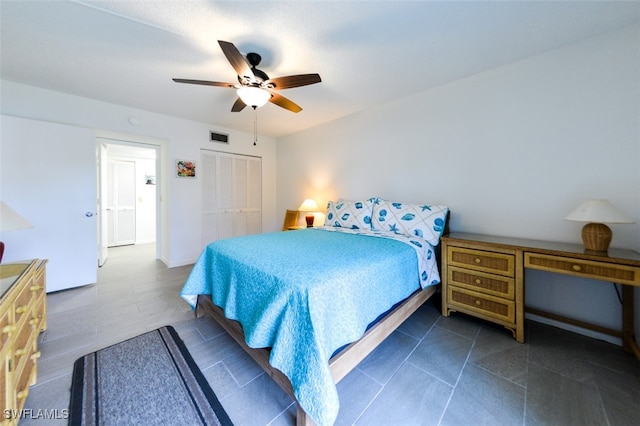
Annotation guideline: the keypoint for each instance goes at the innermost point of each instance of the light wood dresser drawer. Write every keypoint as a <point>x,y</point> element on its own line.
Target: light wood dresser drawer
<point>495,308</point>
<point>479,260</point>
<point>496,285</point>
<point>583,268</point>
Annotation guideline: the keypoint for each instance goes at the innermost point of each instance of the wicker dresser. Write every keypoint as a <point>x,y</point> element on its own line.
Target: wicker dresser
<point>22,318</point>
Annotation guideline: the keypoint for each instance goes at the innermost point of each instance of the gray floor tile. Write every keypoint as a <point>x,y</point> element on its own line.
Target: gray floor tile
<point>483,398</point>
<point>553,399</point>
<point>442,354</point>
<point>412,397</point>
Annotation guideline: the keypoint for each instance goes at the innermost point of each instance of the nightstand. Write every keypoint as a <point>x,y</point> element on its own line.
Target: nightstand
<point>484,280</point>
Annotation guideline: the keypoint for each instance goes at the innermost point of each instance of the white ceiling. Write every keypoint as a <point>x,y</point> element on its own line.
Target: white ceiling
<point>367,52</point>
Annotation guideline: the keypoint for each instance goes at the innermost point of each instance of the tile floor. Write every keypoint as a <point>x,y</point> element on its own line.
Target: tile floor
<point>432,370</point>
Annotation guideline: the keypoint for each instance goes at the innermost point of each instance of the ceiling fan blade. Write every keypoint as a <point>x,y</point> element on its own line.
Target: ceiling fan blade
<point>293,81</point>
<point>204,82</point>
<point>237,61</point>
<point>283,102</point>
<point>238,105</point>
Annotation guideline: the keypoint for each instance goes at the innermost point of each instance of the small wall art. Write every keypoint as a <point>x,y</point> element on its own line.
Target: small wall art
<point>185,169</point>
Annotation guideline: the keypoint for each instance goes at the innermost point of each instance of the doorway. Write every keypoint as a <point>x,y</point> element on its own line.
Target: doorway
<point>127,195</point>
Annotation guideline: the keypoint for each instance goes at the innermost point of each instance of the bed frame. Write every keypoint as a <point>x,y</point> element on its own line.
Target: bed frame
<point>342,362</point>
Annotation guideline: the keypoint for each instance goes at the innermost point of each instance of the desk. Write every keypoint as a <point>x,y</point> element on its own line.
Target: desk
<point>483,275</point>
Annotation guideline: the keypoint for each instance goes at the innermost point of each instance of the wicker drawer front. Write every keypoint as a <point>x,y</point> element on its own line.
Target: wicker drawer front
<point>480,281</point>
<point>483,304</point>
<point>486,261</point>
<point>583,268</point>
<point>24,302</point>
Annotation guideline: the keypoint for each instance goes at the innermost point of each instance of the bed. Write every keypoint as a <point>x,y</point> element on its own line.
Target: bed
<point>309,305</point>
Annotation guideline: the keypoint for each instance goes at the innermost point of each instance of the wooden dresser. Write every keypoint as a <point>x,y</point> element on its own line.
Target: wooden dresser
<point>22,318</point>
<point>483,275</point>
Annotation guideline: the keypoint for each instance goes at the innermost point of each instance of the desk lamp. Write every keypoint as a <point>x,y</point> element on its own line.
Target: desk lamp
<point>595,234</point>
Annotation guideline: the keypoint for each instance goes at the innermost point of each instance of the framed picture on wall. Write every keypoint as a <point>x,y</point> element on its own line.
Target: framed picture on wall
<point>185,169</point>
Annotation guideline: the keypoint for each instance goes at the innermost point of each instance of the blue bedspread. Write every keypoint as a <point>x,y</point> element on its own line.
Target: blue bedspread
<point>305,294</point>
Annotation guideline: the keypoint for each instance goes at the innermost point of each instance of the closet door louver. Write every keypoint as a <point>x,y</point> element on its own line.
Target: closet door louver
<point>231,195</point>
<point>209,174</point>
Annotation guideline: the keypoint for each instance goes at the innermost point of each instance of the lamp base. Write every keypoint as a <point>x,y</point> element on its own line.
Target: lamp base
<point>596,237</point>
<point>309,218</point>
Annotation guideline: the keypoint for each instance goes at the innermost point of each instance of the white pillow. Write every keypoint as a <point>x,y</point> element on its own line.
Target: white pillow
<point>349,214</point>
<point>419,220</point>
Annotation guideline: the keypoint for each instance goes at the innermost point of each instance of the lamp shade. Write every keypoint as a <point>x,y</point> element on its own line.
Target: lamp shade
<point>308,205</point>
<point>10,220</point>
<point>253,96</point>
<point>598,211</point>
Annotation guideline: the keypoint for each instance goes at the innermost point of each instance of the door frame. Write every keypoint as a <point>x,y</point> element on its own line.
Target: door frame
<point>160,147</point>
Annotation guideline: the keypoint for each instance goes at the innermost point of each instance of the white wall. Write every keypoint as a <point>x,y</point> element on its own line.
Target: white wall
<point>180,139</point>
<point>512,151</point>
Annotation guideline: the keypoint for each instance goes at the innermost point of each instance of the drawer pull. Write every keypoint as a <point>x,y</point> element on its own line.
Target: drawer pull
<point>477,260</point>
<point>22,309</point>
<point>21,352</point>
<point>35,288</point>
<point>35,355</point>
<point>577,268</point>
<point>23,394</point>
<point>478,281</point>
<point>34,321</point>
<point>478,302</point>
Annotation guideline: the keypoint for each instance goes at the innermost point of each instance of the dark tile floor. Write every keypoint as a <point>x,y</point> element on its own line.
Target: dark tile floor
<point>432,370</point>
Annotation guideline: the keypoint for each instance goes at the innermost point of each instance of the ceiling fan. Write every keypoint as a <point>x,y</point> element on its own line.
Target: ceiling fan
<point>254,86</point>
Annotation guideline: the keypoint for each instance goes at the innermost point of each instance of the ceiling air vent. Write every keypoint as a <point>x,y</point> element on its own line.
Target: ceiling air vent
<point>218,137</point>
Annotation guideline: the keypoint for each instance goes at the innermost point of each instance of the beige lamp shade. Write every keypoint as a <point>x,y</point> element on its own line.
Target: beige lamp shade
<point>596,236</point>
<point>309,206</point>
<point>10,220</point>
<point>600,211</point>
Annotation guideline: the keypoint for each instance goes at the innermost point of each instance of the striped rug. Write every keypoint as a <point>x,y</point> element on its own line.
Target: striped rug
<point>150,379</point>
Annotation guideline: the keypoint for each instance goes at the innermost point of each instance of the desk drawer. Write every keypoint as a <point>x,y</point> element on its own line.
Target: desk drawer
<point>480,281</point>
<point>583,268</point>
<point>494,308</point>
<point>480,260</point>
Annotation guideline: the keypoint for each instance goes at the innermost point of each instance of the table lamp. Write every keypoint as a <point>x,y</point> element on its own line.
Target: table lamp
<point>595,234</point>
<point>10,220</point>
<point>309,206</point>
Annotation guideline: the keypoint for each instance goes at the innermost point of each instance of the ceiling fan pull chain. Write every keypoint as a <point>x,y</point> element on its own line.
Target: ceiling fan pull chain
<point>255,125</point>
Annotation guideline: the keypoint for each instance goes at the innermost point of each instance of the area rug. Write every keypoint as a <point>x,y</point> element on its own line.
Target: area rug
<point>150,379</point>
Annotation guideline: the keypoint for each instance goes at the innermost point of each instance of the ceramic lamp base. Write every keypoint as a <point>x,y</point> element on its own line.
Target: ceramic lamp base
<point>596,237</point>
<point>309,218</point>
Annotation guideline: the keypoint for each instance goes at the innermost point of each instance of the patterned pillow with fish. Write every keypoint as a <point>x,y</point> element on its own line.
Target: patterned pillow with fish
<point>349,214</point>
<point>418,220</point>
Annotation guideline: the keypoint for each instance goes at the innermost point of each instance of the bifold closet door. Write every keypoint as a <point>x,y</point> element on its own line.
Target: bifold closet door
<point>231,195</point>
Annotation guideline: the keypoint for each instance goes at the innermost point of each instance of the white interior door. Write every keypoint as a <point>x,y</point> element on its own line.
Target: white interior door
<point>121,203</point>
<point>48,175</point>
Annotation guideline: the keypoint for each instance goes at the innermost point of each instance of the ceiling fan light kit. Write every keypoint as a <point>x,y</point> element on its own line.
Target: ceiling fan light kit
<point>255,97</point>
<point>254,87</point>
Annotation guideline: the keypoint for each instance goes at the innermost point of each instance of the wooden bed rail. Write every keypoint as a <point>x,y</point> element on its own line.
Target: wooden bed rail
<point>341,363</point>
